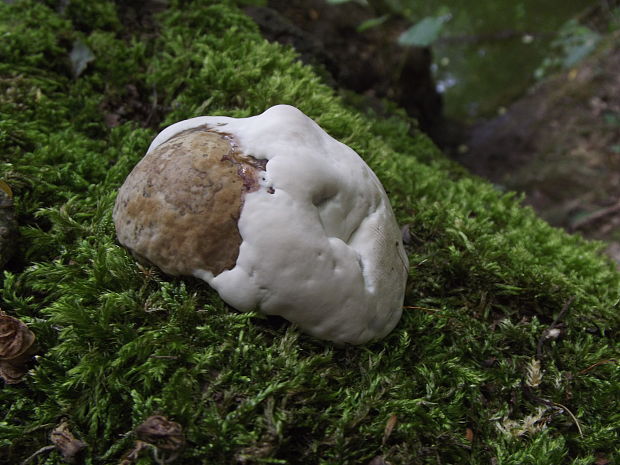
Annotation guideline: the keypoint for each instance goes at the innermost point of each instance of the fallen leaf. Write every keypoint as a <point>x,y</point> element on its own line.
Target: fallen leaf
<point>16,348</point>
<point>80,57</point>
<point>67,444</point>
<point>133,455</point>
<point>389,427</point>
<point>378,460</point>
<point>12,374</point>
<point>162,433</point>
<point>15,337</point>
<point>6,188</point>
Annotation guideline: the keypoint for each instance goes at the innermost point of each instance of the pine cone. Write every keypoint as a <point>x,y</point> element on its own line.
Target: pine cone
<point>162,433</point>
<point>16,343</point>
<point>71,448</point>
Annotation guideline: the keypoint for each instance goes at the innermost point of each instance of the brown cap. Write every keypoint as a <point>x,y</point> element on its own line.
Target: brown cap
<point>178,209</point>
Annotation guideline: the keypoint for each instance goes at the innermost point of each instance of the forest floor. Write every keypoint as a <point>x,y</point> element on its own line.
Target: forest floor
<point>559,144</point>
<point>507,346</point>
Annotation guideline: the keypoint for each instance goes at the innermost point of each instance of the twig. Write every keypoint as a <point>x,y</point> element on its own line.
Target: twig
<point>563,407</point>
<point>501,35</point>
<point>426,309</point>
<point>596,216</point>
<point>599,363</point>
<point>554,324</point>
<point>548,403</point>
<point>529,394</point>
<point>42,450</point>
<point>539,353</point>
<point>153,107</point>
<point>38,427</point>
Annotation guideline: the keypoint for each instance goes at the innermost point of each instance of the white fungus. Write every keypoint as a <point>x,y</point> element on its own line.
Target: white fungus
<point>319,244</point>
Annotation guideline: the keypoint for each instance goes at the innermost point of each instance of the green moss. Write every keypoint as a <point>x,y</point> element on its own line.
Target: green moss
<point>118,343</point>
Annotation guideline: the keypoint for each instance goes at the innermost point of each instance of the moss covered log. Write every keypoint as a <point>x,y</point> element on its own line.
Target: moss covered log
<point>507,351</point>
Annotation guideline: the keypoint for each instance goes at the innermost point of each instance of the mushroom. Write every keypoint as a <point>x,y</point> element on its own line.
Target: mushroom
<point>275,215</point>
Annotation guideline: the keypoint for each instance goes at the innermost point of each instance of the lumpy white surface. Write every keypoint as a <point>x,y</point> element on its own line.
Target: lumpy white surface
<point>321,246</point>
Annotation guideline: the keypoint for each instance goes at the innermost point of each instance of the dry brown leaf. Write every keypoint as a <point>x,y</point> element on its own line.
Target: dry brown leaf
<point>133,455</point>
<point>602,460</point>
<point>12,373</point>
<point>378,460</point>
<point>162,433</point>
<point>389,427</point>
<point>15,337</point>
<point>16,348</point>
<point>67,444</point>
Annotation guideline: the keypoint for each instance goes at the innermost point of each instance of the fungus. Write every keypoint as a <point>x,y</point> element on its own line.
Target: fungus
<point>275,215</point>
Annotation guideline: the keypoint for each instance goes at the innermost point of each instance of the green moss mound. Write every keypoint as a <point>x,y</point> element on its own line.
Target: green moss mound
<point>456,382</point>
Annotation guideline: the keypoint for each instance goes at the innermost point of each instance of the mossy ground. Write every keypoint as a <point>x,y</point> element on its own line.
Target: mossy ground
<point>118,343</point>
